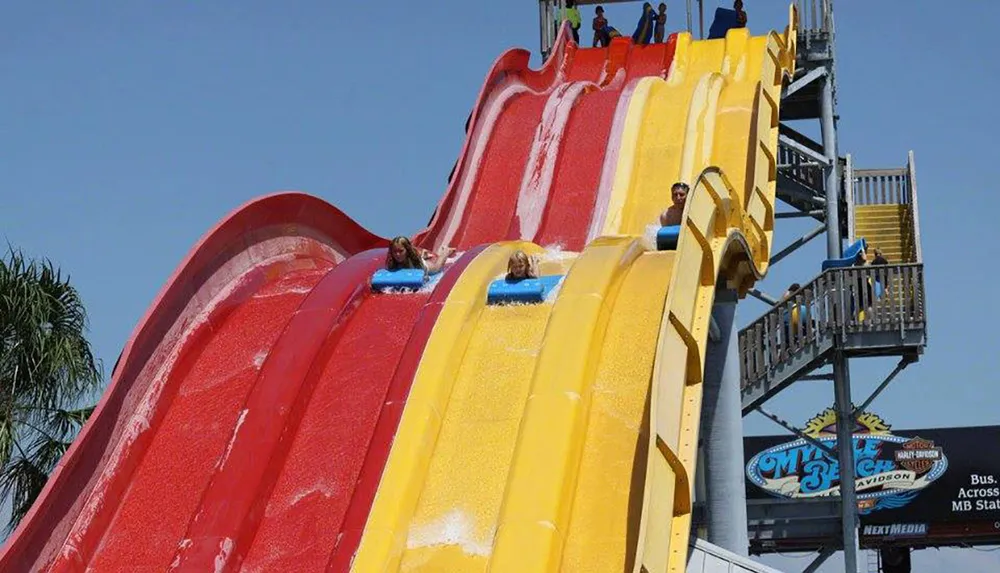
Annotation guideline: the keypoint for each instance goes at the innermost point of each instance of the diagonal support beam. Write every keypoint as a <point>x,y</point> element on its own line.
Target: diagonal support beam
<point>822,376</point>
<point>794,246</point>
<point>803,150</point>
<point>814,565</point>
<point>791,191</point>
<point>763,297</point>
<point>822,447</point>
<point>903,363</point>
<point>804,81</point>
<point>714,332</point>
<point>800,214</point>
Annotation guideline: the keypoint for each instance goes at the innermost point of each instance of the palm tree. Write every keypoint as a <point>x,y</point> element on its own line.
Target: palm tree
<point>47,370</point>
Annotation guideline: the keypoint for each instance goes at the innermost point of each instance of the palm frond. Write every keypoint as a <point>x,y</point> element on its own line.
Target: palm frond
<point>47,369</point>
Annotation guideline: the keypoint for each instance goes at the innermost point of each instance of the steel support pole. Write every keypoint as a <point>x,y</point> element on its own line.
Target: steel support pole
<point>841,369</point>
<point>845,450</point>
<point>829,129</point>
<point>722,433</point>
<point>701,19</point>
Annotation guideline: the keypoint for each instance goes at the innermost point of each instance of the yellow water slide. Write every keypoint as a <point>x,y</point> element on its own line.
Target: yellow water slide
<point>713,122</point>
<point>561,436</point>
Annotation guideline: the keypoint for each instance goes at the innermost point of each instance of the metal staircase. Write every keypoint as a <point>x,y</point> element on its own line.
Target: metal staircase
<point>800,181</point>
<point>835,311</point>
<point>883,210</point>
<point>881,206</point>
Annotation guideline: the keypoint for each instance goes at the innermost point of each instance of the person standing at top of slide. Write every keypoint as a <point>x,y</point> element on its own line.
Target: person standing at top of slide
<point>599,24</point>
<point>572,14</point>
<point>603,33</point>
<point>660,30</point>
<point>644,29</point>
<point>741,15</point>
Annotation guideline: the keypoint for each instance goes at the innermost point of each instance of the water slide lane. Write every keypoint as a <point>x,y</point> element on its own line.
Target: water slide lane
<point>280,242</point>
<point>512,182</point>
<point>540,490</point>
<point>508,78</point>
<point>590,138</point>
<point>662,124</point>
<point>494,193</point>
<point>301,521</point>
<point>367,482</point>
<point>607,501</point>
<point>231,505</point>
<point>471,381</point>
<point>725,234</point>
<point>211,388</point>
<point>361,379</point>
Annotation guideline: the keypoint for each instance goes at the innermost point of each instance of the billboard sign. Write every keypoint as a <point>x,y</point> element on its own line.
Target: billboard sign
<point>928,484</point>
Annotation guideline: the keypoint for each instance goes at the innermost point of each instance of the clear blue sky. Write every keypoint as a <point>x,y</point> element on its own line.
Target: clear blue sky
<point>130,128</point>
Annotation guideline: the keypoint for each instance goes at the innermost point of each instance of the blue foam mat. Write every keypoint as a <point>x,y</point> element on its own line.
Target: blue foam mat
<point>524,290</point>
<point>724,21</point>
<point>850,254</point>
<point>666,238</point>
<point>412,279</point>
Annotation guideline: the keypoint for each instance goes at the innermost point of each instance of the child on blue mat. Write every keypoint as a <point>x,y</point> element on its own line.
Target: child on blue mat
<point>402,254</point>
<point>520,266</point>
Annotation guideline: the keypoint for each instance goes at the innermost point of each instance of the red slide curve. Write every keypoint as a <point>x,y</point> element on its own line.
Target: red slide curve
<point>536,157</point>
<point>251,414</point>
<point>183,375</point>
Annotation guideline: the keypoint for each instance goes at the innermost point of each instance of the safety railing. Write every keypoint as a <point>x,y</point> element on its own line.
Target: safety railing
<point>911,174</point>
<point>815,17</point>
<point>839,303</point>
<point>799,167</point>
<point>881,186</point>
<point>884,187</point>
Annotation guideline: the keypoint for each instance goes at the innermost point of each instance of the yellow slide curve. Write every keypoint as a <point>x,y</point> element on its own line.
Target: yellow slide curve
<point>562,436</point>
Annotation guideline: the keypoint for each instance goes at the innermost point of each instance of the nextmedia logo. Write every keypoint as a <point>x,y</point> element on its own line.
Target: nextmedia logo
<point>895,530</point>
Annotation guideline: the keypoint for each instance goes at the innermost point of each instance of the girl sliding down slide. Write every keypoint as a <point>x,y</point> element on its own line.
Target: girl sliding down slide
<point>403,255</point>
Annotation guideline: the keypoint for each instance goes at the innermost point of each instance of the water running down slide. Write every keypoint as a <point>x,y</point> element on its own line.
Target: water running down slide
<point>541,148</point>
<point>268,368</point>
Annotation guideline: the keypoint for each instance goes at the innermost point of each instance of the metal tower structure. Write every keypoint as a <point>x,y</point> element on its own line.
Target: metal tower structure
<point>833,318</point>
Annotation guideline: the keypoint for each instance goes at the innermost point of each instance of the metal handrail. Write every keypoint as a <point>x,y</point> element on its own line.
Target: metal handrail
<point>911,169</point>
<point>815,16</point>
<point>882,186</point>
<point>800,167</point>
<point>838,302</point>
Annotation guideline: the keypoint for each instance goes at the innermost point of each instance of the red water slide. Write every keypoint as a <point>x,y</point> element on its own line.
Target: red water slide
<point>183,376</point>
<point>541,150</point>
<point>250,416</point>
